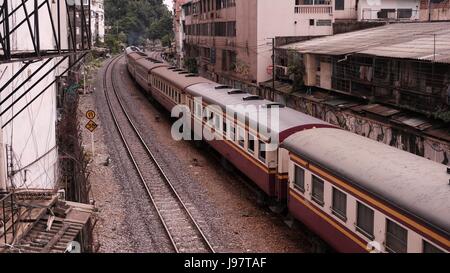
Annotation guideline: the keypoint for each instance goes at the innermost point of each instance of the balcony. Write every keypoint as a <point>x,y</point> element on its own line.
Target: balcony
<point>313,7</point>
<point>368,14</point>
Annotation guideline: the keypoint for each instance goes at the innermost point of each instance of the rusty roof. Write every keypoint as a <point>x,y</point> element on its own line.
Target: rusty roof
<point>419,41</point>
<point>44,223</point>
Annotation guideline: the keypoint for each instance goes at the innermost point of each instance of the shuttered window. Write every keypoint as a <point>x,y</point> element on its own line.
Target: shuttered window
<point>299,180</point>
<point>396,237</point>
<point>364,221</point>
<point>317,190</point>
<point>340,204</point>
<point>429,248</point>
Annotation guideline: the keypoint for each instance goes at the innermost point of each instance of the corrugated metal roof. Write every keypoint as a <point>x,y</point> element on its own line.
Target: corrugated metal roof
<point>420,41</point>
<point>380,110</point>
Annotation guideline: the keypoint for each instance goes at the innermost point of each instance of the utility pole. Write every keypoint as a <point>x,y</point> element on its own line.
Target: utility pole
<point>3,187</point>
<point>273,64</point>
<point>429,10</point>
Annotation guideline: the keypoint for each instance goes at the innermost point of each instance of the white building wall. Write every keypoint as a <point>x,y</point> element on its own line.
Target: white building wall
<point>286,19</point>
<point>97,20</point>
<point>32,134</point>
<point>368,9</point>
<point>349,10</point>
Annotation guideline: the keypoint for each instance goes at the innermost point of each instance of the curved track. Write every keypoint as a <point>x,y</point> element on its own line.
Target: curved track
<point>183,231</point>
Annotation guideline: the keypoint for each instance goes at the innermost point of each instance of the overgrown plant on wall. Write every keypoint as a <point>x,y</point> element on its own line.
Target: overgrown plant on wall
<point>190,64</point>
<point>296,71</point>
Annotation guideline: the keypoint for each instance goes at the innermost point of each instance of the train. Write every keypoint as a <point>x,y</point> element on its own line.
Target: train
<point>356,194</point>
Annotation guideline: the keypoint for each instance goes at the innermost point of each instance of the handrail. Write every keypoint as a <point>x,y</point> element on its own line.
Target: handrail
<point>7,205</point>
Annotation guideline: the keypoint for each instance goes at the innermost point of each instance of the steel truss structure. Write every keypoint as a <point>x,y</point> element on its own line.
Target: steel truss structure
<point>41,8</point>
<point>78,35</point>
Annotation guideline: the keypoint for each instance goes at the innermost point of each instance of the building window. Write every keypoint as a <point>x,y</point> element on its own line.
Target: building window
<point>311,22</point>
<point>251,143</point>
<point>340,204</point>
<point>299,179</point>
<point>317,190</point>
<point>321,23</point>
<point>404,13</point>
<point>364,220</point>
<point>429,248</point>
<point>396,237</point>
<point>262,151</point>
<point>339,4</point>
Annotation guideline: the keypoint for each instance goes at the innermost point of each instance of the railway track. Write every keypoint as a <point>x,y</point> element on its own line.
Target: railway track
<point>181,228</point>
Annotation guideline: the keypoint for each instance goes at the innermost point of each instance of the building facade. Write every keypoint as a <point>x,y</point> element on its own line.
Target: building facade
<point>178,31</point>
<point>435,10</point>
<point>29,140</point>
<point>97,21</point>
<point>233,38</point>
<point>29,83</point>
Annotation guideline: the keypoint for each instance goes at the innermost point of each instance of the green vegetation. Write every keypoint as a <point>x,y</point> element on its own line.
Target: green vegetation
<point>133,22</point>
<point>191,65</point>
<point>296,70</point>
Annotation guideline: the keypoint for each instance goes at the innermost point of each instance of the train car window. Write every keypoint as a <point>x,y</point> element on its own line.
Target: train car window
<point>232,132</point>
<point>251,143</point>
<point>317,190</point>
<point>364,220</point>
<point>218,121</point>
<point>429,248</point>
<point>396,237</point>
<point>262,151</point>
<point>224,128</point>
<point>241,136</point>
<point>299,179</point>
<point>339,207</point>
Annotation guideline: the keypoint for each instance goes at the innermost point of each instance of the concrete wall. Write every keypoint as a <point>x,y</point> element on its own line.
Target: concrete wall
<point>348,13</point>
<point>32,134</point>
<point>437,12</point>
<point>282,19</point>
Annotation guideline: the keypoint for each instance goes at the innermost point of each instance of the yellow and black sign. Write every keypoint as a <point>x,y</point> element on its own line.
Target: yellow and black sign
<point>91,126</point>
<point>90,114</point>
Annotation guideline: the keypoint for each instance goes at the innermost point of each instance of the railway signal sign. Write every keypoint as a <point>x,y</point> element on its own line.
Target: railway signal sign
<point>90,114</point>
<point>91,126</point>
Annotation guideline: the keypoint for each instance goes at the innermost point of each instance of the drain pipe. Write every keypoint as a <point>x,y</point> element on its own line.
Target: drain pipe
<point>3,187</point>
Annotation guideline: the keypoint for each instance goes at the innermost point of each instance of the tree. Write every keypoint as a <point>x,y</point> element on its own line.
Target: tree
<point>296,70</point>
<point>191,65</point>
<point>140,20</point>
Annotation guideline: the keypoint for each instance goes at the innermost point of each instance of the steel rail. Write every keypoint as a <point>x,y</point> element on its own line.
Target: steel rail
<point>163,175</point>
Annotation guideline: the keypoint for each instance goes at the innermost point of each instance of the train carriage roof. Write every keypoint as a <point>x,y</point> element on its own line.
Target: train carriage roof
<point>290,120</point>
<point>150,64</point>
<point>180,79</point>
<point>136,55</point>
<point>412,183</point>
